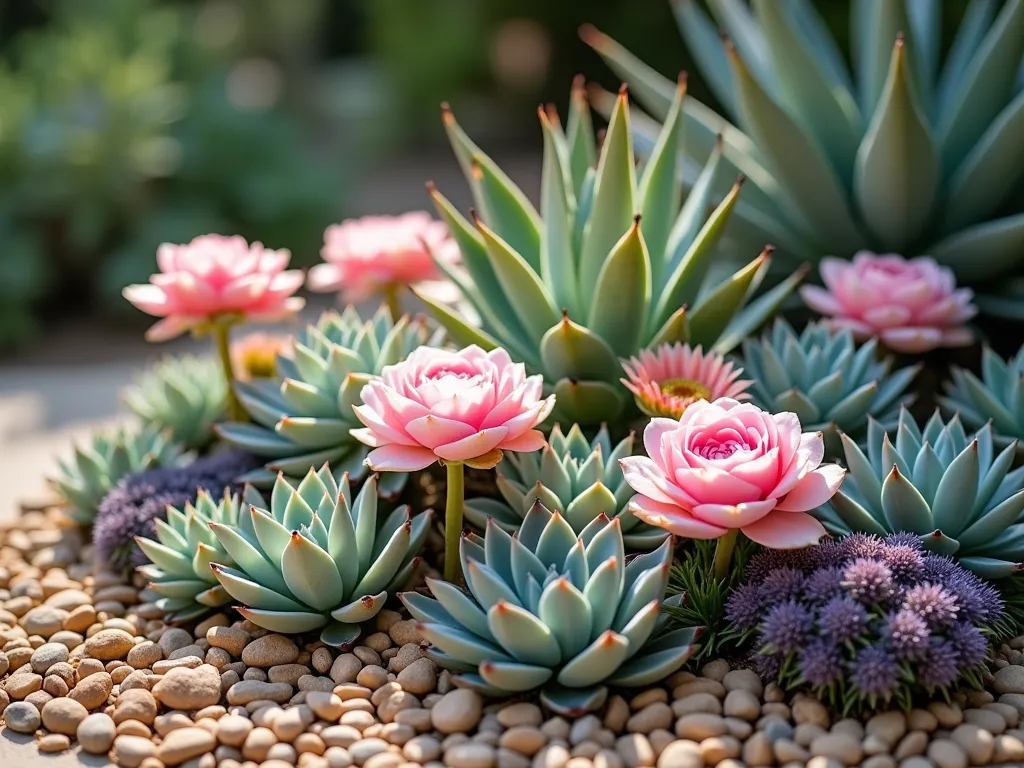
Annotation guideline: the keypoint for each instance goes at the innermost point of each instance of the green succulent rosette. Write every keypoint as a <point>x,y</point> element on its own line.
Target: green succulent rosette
<point>995,398</point>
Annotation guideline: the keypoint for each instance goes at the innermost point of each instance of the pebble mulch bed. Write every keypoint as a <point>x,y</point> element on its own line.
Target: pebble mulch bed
<point>87,663</point>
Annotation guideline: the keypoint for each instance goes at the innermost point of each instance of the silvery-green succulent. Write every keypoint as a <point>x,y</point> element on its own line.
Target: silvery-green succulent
<point>180,558</point>
<point>905,153</point>
<point>303,418</point>
<point>609,265</point>
<point>997,397</point>
<point>578,478</point>
<point>97,465</point>
<point>314,558</point>
<point>185,394</point>
<point>953,490</point>
<point>825,379</point>
<point>552,610</point>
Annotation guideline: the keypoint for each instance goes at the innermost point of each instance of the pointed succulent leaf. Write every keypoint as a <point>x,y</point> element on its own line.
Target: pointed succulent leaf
<point>993,522</point>
<point>286,622</point>
<point>622,294</point>
<point>712,315</point>
<point>982,251</point>
<point>523,635</point>
<point>572,351</point>
<point>361,609</point>
<point>905,509</point>
<point>593,664</point>
<point>557,260</point>
<point>954,498</point>
<point>514,677</point>
<point>580,136</point>
<point>253,594</point>
<point>507,211</point>
<point>660,192</point>
<point>463,645</point>
<point>310,573</point>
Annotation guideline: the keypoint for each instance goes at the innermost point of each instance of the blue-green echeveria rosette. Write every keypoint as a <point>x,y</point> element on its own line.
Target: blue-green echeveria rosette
<point>828,381</point>
<point>304,417</point>
<point>315,558</point>
<point>955,491</point>
<point>579,478</point>
<point>552,610</point>
<point>997,397</point>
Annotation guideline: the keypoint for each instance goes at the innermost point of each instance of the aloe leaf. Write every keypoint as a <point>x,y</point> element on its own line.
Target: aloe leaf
<point>595,662</point>
<point>897,172</point>
<point>684,284</point>
<point>925,19</point>
<point>507,209</point>
<point>588,402</point>
<point>757,313</point>
<point>514,677</point>
<point>252,593</point>
<point>595,500</point>
<point>969,33</point>
<point>571,351</point>
<point>557,261</point>
<point>580,136</point>
<point>287,622</point>
<point>704,43</point>
<point>310,573</point>
<point>622,293</point>
<point>735,17</point>
<point>255,439</point>
<point>712,316</point>
<point>652,88</point>
<point>826,109</point>
<point>693,214</point>
<point>383,569</point>
<point>796,161</point>
<point>986,84</point>
<point>817,35</point>
<point>531,301</point>
<point>875,25</point>
<point>990,567</point>
<point>614,198</point>
<point>660,193</point>
<point>983,251</point>
<point>989,172</point>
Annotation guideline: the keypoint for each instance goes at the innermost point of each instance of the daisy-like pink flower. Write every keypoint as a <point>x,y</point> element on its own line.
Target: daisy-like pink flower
<point>667,380</point>
<point>458,408</point>
<point>377,254</point>
<point>255,355</point>
<point>727,467</point>
<point>216,279</point>
<point>911,305</point>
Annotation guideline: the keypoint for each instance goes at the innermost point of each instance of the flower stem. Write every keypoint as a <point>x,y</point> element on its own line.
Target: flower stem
<point>393,301</point>
<point>453,510</point>
<point>723,553</point>
<point>220,336</point>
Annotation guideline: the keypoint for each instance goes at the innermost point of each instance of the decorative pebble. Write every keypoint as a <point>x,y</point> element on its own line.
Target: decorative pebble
<point>22,717</point>
<point>457,712</point>
<point>63,715</point>
<point>96,733</point>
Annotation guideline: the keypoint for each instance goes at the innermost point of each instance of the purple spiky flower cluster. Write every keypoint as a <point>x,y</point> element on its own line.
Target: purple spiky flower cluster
<point>865,619</point>
<point>132,507</point>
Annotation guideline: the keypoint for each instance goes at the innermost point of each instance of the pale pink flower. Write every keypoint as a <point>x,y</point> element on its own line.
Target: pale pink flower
<point>911,305</point>
<point>728,465</point>
<point>466,406</point>
<point>216,277</point>
<point>666,380</point>
<point>365,256</point>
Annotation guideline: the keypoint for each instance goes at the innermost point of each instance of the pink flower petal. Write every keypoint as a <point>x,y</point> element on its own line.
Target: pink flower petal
<point>169,328</point>
<point>526,442</point>
<point>400,458</point>
<point>472,446</point>
<point>709,485</point>
<point>733,516</point>
<point>814,489</point>
<point>385,432</point>
<point>912,340</point>
<point>432,431</point>
<point>654,432</point>
<point>150,299</point>
<point>673,519</point>
<point>645,477</point>
<point>785,530</point>
<point>820,300</point>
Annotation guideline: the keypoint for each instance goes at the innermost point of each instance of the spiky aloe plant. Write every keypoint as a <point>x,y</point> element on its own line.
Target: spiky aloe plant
<point>826,380</point>
<point>303,418</point>
<point>185,394</point>
<point>901,154</point>
<point>996,397</point>
<point>548,608</point>
<point>185,549</point>
<point>315,558</point>
<point>609,266</point>
<point>108,456</point>
<point>578,478</point>
<point>952,490</point>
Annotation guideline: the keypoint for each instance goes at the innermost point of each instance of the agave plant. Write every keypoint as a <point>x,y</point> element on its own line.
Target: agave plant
<point>303,418</point>
<point>553,609</point>
<point>952,490</point>
<point>96,466</point>
<point>578,478</point>
<point>184,394</point>
<point>587,280</point>
<point>826,380</point>
<point>185,549</point>
<point>900,155</point>
<point>995,398</point>
<point>314,557</point>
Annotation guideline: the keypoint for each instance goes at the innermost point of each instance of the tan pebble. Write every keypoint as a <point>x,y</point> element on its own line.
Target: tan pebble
<point>616,714</point>
<point>681,754</point>
<point>290,723</point>
<point>470,755</point>
<point>650,696</point>
<point>697,702</point>
<point>345,668</point>
<point>364,749</point>
<point>368,656</point>
<point>396,702</point>
<point>309,744</point>
<point>133,728</point>
<point>403,632</point>
<point>171,721</point>
<point>880,761</point>
<point>358,719</point>
<point>340,735</point>
<point>347,691</point>
<point>372,677</point>
<point>838,746</point>
<point>326,706</point>
<point>109,644</point>
<point>144,655</point>
<point>699,685</point>
<point>316,683</point>
<point>88,667</point>
<point>986,719</point>
<point>652,717</point>
<point>185,662</point>
<point>700,726</point>
<point>811,711</point>
<point>977,743</point>
<point>54,742</point>
<point>257,743</point>
<point>552,756</point>
<point>741,703</point>
<point>270,650</point>
<point>889,726</point>
<point>525,739</point>
<point>744,680</point>
<point>21,684</point>
<point>787,751</point>
<point>458,712</point>
<point>248,691</point>
<point>419,677</point>
<point>232,730</point>
<point>757,751</point>
<point>130,751</point>
<point>948,715</point>
<point>947,754</point>
<point>230,639</point>
<point>519,714</point>
<point>96,733</point>
<point>184,744</point>
<point>914,743</point>
<point>805,733</point>
<point>609,758</point>
<point>715,670</point>
<point>1008,749</point>
<point>287,673</point>
<point>635,750</point>
<point>417,719</point>
<point>63,715</point>
<point>137,704</point>
<point>80,619</point>
<point>719,748</point>
<point>659,738</point>
<point>55,686</point>
<point>582,729</point>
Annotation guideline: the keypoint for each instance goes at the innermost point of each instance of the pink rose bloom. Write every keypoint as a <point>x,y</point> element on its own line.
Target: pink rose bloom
<point>667,380</point>
<point>727,465</point>
<point>911,305</point>
<point>212,277</point>
<point>365,256</point>
<point>466,406</point>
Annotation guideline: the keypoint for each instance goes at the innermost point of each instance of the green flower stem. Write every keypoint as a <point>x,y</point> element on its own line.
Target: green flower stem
<point>453,511</point>
<point>393,301</point>
<point>221,332</point>
<point>723,553</point>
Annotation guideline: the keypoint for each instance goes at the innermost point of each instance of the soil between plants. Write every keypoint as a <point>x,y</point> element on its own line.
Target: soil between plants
<point>90,671</point>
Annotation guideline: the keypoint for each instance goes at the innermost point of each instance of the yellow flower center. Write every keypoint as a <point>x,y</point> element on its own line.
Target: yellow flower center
<point>685,388</point>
